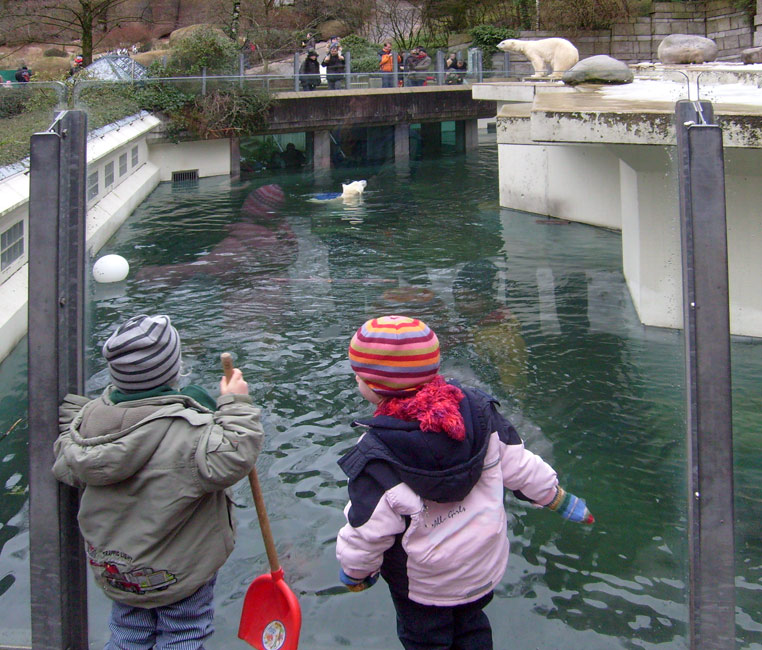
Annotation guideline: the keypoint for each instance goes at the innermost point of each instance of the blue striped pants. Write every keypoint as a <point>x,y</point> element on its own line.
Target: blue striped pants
<point>183,625</point>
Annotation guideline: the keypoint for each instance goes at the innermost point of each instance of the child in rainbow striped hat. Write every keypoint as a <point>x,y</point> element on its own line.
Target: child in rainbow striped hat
<point>426,484</point>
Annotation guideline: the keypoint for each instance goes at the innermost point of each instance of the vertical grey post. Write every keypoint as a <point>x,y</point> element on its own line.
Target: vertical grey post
<point>56,367</point>
<point>402,142</point>
<point>347,68</point>
<point>241,68</point>
<point>235,157</point>
<point>507,63</point>
<point>296,71</point>
<point>396,69</point>
<point>203,80</point>
<point>707,360</point>
<point>321,150</point>
<point>480,65</point>
<point>466,135</point>
<point>440,68</point>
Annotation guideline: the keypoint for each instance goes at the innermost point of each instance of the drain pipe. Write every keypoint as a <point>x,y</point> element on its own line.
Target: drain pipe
<point>706,323</point>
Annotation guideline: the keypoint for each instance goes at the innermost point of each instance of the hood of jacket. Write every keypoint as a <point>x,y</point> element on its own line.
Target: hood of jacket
<point>111,442</point>
<point>433,465</point>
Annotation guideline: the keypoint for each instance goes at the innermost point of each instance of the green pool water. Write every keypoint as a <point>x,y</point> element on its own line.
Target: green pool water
<point>540,316</point>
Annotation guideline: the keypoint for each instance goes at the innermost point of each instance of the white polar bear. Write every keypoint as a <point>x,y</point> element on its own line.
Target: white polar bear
<point>350,193</point>
<point>353,189</point>
<point>558,54</point>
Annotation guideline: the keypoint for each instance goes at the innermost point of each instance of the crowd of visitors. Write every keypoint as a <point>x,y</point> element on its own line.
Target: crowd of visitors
<point>413,68</point>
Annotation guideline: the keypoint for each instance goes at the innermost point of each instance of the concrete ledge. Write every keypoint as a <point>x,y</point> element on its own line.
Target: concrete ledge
<point>601,155</point>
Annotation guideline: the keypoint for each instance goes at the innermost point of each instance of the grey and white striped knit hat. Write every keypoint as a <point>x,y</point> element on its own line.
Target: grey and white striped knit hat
<point>143,353</point>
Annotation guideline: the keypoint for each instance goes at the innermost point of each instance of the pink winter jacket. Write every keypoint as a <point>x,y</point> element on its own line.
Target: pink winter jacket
<point>427,511</point>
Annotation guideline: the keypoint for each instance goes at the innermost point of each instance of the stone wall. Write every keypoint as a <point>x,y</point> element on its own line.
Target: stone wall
<point>638,39</point>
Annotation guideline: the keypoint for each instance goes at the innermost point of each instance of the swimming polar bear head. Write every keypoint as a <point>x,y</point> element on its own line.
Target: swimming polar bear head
<point>353,189</point>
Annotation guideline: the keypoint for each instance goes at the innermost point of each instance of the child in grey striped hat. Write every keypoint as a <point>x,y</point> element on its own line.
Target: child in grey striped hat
<point>154,462</point>
<point>143,353</point>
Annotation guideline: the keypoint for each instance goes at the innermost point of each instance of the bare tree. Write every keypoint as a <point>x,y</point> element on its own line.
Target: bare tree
<point>65,21</point>
<point>402,19</point>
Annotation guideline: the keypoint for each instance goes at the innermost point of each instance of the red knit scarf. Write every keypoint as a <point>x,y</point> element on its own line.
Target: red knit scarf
<point>435,406</point>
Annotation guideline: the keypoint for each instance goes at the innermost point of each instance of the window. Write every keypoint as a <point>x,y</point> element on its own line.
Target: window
<point>11,245</point>
<point>122,165</point>
<point>92,185</point>
<point>108,174</point>
<point>134,156</point>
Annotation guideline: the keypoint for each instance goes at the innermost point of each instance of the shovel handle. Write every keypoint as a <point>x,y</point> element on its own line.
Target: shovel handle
<point>264,522</point>
<point>256,490</point>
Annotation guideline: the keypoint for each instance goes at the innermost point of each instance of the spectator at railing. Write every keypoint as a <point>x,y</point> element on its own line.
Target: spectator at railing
<point>335,66</point>
<point>386,65</point>
<point>23,74</point>
<point>309,42</point>
<point>418,64</point>
<point>456,73</point>
<point>309,72</point>
<point>77,65</point>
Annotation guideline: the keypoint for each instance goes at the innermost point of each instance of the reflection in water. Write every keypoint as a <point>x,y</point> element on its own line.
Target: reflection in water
<point>536,314</point>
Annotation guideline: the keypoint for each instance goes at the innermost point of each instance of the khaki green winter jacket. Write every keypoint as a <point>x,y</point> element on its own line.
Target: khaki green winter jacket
<point>155,513</point>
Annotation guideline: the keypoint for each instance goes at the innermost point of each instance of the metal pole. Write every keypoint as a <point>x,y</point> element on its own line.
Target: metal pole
<point>203,80</point>
<point>56,366</point>
<point>241,68</point>
<point>440,68</point>
<point>507,63</point>
<point>707,360</point>
<point>395,70</point>
<point>347,68</point>
<point>296,71</point>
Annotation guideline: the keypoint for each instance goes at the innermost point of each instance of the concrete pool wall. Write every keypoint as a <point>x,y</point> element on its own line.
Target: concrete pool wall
<point>124,167</point>
<point>604,155</point>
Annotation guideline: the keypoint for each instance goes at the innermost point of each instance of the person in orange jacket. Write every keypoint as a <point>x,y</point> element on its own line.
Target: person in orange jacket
<point>386,65</point>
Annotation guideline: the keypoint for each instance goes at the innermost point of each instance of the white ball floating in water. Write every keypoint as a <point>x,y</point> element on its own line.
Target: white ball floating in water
<point>111,268</point>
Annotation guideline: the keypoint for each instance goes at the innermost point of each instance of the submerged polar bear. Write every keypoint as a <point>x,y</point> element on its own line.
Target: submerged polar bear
<point>556,54</point>
<point>350,192</point>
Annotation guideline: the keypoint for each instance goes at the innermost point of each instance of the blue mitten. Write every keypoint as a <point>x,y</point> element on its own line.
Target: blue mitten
<point>571,507</point>
<point>358,584</point>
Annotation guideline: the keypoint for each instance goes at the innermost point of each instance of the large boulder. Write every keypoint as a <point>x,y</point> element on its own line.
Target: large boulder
<point>147,58</point>
<point>599,69</point>
<point>752,55</point>
<point>333,28</point>
<point>184,32</point>
<point>686,48</point>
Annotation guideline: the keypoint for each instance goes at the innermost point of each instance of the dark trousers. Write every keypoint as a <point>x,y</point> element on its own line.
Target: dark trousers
<point>426,627</point>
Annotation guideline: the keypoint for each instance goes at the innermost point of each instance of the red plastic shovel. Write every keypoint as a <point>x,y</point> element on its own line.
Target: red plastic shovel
<point>271,617</point>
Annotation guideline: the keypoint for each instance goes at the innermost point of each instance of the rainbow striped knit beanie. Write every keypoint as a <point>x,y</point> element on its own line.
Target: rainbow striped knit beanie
<point>394,355</point>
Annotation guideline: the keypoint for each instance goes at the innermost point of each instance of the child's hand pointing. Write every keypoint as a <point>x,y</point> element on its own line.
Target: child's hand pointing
<point>571,507</point>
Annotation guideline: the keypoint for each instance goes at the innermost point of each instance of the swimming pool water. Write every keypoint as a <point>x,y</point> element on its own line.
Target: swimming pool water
<point>533,310</point>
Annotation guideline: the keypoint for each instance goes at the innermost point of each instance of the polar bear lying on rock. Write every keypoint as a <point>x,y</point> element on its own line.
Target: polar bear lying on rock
<point>554,54</point>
